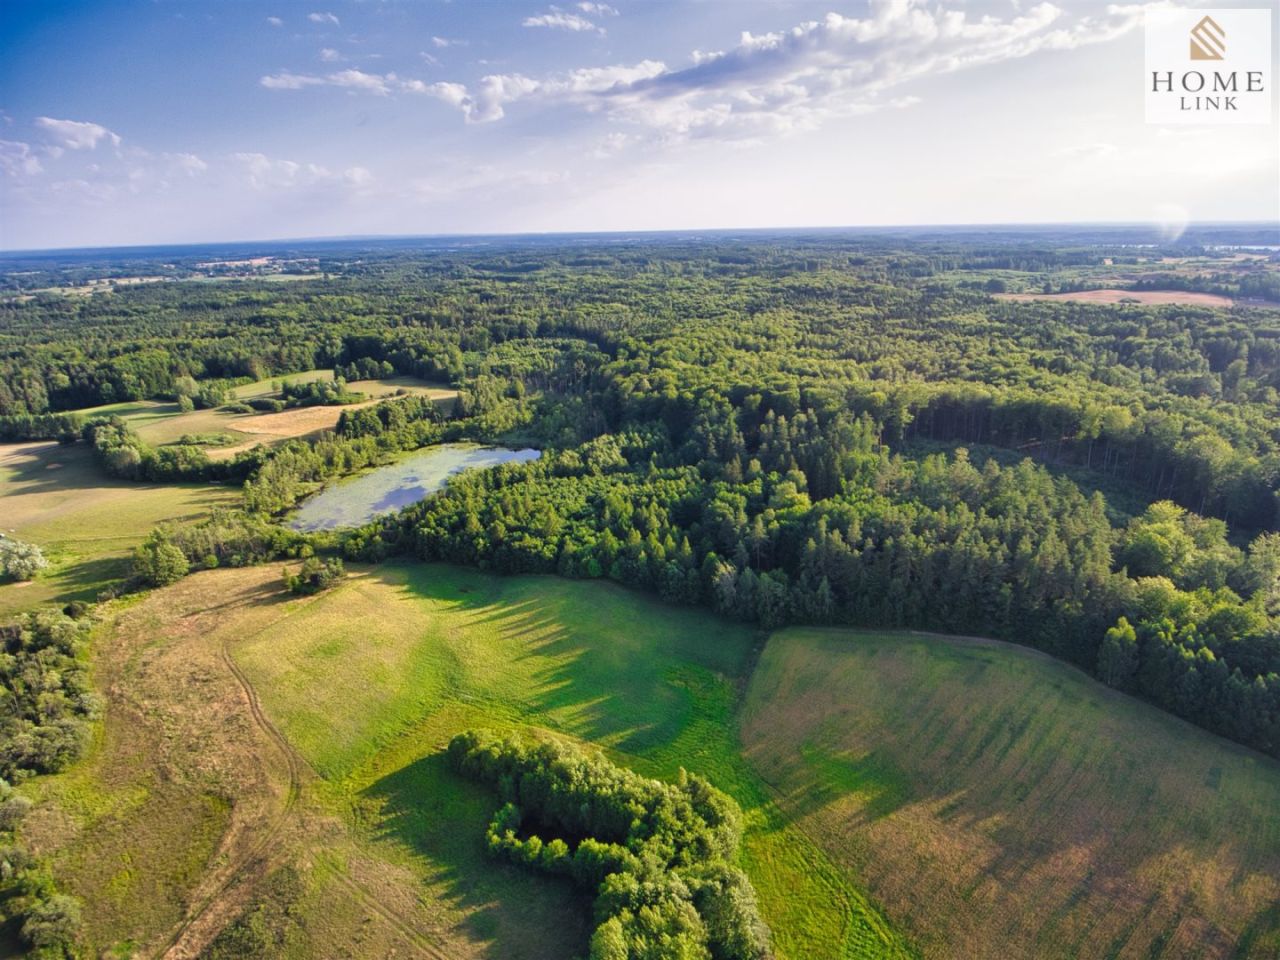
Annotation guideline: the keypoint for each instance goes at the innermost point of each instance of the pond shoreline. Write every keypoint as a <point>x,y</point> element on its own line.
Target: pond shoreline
<point>354,501</point>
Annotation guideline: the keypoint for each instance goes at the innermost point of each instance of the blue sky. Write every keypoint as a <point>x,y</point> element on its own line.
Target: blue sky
<point>166,121</point>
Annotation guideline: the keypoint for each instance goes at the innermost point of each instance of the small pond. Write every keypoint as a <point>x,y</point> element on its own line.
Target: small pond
<point>353,502</point>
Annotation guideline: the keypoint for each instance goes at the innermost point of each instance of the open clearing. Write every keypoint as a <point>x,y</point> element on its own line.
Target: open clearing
<point>367,682</point>
<point>58,498</point>
<point>160,423</point>
<point>1000,804</point>
<point>995,802</point>
<point>1187,297</point>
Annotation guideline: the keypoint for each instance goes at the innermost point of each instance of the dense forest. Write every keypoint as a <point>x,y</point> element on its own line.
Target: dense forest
<point>846,432</point>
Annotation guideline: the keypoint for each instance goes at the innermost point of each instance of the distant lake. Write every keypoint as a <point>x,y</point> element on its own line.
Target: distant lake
<point>351,503</point>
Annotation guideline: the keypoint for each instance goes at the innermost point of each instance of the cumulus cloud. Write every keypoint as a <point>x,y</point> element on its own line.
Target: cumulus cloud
<point>442,42</point>
<point>323,18</point>
<point>841,65</point>
<point>767,84</point>
<point>330,55</point>
<point>75,134</point>
<point>17,159</point>
<point>796,79</point>
<point>557,19</point>
<point>263,172</point>
<point>275,21</point>
<point>357,176</point>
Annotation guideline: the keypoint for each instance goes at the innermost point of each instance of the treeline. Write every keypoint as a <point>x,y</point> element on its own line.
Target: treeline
<point>46,703</point>
<point>658,857</point>
<point>938,544</point>
<point>20,427</point>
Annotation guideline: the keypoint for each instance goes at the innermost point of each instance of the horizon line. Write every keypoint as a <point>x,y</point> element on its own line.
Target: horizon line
<point>517,234</point>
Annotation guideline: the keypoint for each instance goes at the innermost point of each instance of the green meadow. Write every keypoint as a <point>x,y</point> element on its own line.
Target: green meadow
<point>370,680</point>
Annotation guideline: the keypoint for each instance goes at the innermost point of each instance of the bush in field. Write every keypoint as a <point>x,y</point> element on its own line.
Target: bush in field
<point>18,560</point>
<point>158,562</point>
<point>657,855</point>
<point>314,575</point>
<point>51,925</point>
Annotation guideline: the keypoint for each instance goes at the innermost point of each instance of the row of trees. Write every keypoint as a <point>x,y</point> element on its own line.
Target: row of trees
<point>657,856</point>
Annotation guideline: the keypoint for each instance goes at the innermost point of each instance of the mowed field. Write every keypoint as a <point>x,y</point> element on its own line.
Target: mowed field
<point>1001,804</point>
<point>58,498</point>
<point>1189,297</point>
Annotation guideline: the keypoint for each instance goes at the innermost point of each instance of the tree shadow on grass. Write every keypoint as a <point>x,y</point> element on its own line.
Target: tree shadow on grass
<point>441,817</point>
<point>594,687</point>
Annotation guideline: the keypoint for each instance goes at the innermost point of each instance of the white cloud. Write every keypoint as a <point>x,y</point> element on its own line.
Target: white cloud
<point>770,84</point>
<point>796,79</point>
<point>17,159</point>
<point>186,163</point>
<point>441,42</point>
<point>284,80</point>
<point>265,172</point>
<point>330,55</point>
<point>597,9</point>
<point>357,176</point>
<point>358,80</point>
<point>323,18</point>
<point>75,134</point>
<point>557,19</point>
<point>275,21</point>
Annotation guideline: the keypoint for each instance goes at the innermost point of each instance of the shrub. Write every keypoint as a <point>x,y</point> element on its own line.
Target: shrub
<point>158,562</point>
<point>314,575</point>
<point>19,560</point>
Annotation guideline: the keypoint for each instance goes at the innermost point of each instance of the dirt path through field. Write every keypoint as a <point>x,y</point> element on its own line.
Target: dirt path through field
<point>201,790</point>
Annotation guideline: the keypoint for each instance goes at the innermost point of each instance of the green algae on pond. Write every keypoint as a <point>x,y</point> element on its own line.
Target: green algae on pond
<point>354,502</point>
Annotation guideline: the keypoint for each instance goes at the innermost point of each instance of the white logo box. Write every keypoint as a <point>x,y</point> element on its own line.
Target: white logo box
<point>1215,71</point>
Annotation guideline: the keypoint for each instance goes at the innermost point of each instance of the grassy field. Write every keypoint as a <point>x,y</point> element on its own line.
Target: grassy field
<point>991,801</point>
<point>999,803</point>
<point>374,678</point>
<point>87,523</point>
<point>160,423</point>
<point>367,682</point>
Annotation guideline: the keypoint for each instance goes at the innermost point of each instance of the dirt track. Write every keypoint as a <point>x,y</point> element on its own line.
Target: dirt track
<point>183,727</point>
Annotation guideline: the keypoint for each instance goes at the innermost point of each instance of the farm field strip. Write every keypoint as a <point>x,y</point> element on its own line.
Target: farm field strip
<point>996,800</point>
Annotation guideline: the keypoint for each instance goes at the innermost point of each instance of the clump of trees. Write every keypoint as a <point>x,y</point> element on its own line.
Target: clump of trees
<point>227,538</point>
<point>47,921</point>
<point>657,856</point>
<point>20,560</point>
<point>314,575</point>
<point>47,698</point>
<point>314,393</point>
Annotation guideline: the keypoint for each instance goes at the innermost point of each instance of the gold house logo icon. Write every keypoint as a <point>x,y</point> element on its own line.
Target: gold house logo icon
<point>1208,40</point>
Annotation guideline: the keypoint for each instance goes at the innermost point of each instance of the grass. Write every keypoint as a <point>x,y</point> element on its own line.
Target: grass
<point>989,801</point>
<point>160,423</point>
<point>371,680</point>
<point>999,803</point>
<point>58,498</point>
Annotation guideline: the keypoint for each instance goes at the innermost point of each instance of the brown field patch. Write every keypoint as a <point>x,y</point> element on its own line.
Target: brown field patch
<point>1150,297</point>
<point>191,797</point>
<point>1000,804</point>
